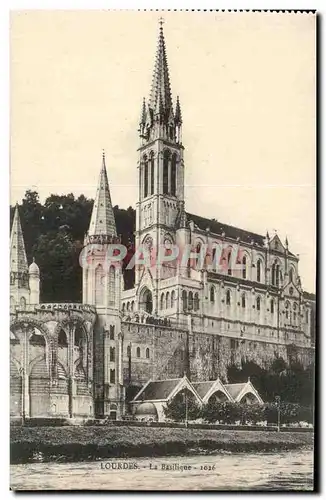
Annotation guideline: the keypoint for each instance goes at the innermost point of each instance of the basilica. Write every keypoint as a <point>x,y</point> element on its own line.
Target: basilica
<point>239,297</point>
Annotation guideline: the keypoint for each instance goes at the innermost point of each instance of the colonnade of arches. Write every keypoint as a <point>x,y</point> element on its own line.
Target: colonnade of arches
<point>51,371</point>
<point>147,174</point>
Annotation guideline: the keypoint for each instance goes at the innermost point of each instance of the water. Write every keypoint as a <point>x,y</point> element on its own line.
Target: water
<point>292,470</point>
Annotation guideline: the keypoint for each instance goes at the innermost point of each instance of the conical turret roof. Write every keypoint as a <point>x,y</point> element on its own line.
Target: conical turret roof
<point>18,259</point>
<point>102,220</point>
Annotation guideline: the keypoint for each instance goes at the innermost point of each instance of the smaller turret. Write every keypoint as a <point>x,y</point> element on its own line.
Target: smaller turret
<point>34,283</point>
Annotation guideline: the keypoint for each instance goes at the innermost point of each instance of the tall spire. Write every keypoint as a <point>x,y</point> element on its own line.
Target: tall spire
<point>18,259</point>
<point>102,220</point>
<point>161,81</point>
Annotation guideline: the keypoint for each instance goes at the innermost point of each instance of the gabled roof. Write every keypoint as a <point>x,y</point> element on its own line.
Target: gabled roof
<point>18,259</point>
<point>203,387</point>
<point>157,390</point>
<point>102,219</point>
<point>235,389</point>
<point>232,232</point>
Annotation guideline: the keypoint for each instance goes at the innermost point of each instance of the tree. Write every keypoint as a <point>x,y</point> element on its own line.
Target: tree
<point>176,409</point>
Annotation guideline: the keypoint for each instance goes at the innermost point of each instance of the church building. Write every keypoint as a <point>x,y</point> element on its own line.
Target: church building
<point>238,296</point>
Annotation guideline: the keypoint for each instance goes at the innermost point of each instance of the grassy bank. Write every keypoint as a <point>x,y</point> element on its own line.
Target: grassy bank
<point>91,443</point>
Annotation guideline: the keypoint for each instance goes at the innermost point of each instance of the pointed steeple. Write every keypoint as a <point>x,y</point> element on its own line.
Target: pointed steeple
<point>102,220</point>
<point>18,259</point>
<point>178,115</point>
<point>161,81</point>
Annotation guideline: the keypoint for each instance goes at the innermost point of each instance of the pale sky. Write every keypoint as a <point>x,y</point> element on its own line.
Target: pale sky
<point>247,91</point>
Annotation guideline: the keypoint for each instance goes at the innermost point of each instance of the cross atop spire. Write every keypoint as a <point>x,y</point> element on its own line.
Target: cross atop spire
<point>161,22</point>
<point>102,220</point>
<point>161,80</point>
<point>18,259</point>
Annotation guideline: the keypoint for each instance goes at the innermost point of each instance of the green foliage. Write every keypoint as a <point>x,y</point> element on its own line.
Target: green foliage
<point>54,234</point>
<point>293,383</point>
<point>184,401</point>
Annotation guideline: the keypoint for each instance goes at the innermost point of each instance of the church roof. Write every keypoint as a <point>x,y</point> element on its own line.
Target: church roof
<point>18,259</point>
<point>102,220</point>
<point>160,96</point>
<point>232,232</point>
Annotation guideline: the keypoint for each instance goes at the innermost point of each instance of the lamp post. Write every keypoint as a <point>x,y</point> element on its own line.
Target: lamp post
<point>278,403</point>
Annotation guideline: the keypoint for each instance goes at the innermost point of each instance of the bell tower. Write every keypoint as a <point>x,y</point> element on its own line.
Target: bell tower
<point>160,205</point>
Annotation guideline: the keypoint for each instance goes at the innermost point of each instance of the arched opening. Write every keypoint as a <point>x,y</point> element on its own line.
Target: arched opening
<point>184,300</point>
<point>162,302</point>
<point>196,302</point>
<point>173,299</point>
<point>15,389</point>
<point>229,263</point>
<point>243,300</point>
<point>258,303</point>
<point>145,176</point>
<point>274,274</point>
<point>166,159</point>
<point>152,172</point>
<point>147,353</point>
<point>249,398</point>
<point>174,174</point>
<point>146,300</point>
<point>212,294</point>
<point>167,300</point>
<point>81,384</point>
<point>228,298</point>
<point>258,270</point>
<point>244,267</point>
<point>39,388</point>
<point>99,285</point>
<point>22,303</point>
<point>138,352</point>
<point>291,274</point>
<point>62,339</point>
<point>112,353</point>
<point>272,306</point>
<point>190,301</point>
<point>112,285</point>
<point>217,397</point>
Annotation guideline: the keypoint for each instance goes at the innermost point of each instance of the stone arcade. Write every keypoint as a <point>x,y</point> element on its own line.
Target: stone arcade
<point>81,360</point>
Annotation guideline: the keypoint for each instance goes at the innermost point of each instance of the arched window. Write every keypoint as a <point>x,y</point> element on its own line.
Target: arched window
<point>196,302</point>
<point>166,158</point>
<point>128,351</point>
<point>174,175</point>
<point>22,303</point>
<point>229,263</point>
<point>291,274</point>
<point>152,172</point>
<point>277,277</point>
<point>258,303</point>
<point>272,306</point>
<point>228,298</point>
<point>173,299</point>
<point>162,302</point>
<point>62,339</point>
<point>214,263</point>
<point>111,332</point>
<point>258,270</point>
<point>112,376</point>
<point>190,300</point>
<point>112,353</point>
<point>167,300</point>
<point>273,274</point>
<point>307,316</point>
<point>138,352</point>
<point>145,177</point>
<point>132,305</point>
<point>112,285</point>
<point>212,294</point>
<point>243,300</point>
<point>147,353</point>
<point>123,307</point>
<point>184,300</point>
<point>99,285</point>
<point>244,267</point>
